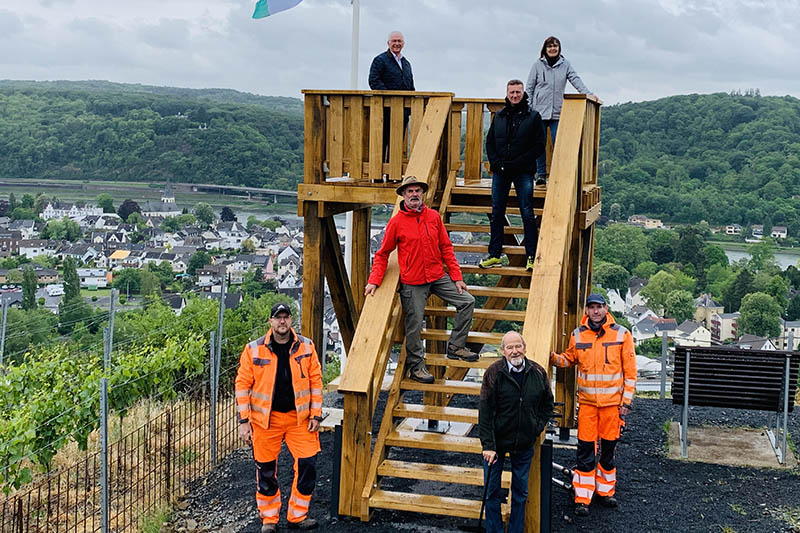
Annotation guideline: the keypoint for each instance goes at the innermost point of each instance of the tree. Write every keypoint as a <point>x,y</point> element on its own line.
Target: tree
<point>127,207</point>
<point>779,290</point>
<point>793,309</point>
<point>227,214</point>
<point>128,281</point>
<point>171,225</point>
<point>22,213</point>
<point>62,230</point>
<point>645,270</point>
<point>615,212</point>
<point>623,245</point>
<point>715,255</point>
<point>28,201</point>
<point>737,289</point>
<point>105,201</point>
<point>72,310</point>
<point>199,259</point>
<point>72,284</point>
<point>611,276</point>
<point>248,247</point>
<point>204,213</point>
<point>661,244</point>
<point>762,256</point>
<point>679,305</point>
<point>29,286</point>
<point>689,246</point>
<point>718,278</point>
<point>658,288</point>
<point>760,315</point>
<point>150,284</point>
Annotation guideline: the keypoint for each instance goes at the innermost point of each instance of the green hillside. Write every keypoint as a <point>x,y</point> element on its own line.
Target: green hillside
<point>717,157</point>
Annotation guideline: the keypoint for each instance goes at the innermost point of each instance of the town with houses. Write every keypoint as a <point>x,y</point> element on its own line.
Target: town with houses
<point>107,248</point>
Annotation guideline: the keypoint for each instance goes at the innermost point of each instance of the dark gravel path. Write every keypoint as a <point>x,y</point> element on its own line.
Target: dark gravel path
<point>655,493</point>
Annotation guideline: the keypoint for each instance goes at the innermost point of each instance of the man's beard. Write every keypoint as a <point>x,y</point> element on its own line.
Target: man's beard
<point>517,360</point>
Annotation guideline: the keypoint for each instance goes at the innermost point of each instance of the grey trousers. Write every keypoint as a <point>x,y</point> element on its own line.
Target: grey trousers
<point>414,297</point>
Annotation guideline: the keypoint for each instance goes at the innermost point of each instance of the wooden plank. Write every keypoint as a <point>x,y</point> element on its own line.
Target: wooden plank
<point>360,255</point>
<point>376,138</point>
<point>339,284</point>
<point>487,209</point>
<point>473,149</point>
<point>506,292</point>
<point>499,314</point>
<point>355,452</point>
<point>336,135</point>
<point>435,412</point>
<point>329,209</point>
<point>396,138</point>
<point>461,475</point>
<point>415,94</point>
<point>473,336</point>
<point>486,360</point>
<point>499,271</point>
<point>484,248</point>
<point>313,275</point>
<point>356,132</point>
<point>425,503</point>
<point>454,139</point>
<point>313,138</point>
<point>346,193</point>
<point>590,217</point>
<point>417,112</point>
<point>483,228</point>
<point>434,441</point>
<point>446,386</point>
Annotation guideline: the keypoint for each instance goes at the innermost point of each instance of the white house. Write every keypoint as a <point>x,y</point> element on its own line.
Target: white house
<point>779,232</point>
<point>691,333</point>
<point>93,277</point>
<point>733,229</point>
<point>790,329</point>
<point>634,296</point>
<point>724,326</point>
<point>616,303</point>
<point>31,248</point>
<point>72,211</point>
<point>751,342</point>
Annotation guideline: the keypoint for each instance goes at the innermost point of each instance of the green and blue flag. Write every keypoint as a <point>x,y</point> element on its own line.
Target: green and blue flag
<point>265,8</point>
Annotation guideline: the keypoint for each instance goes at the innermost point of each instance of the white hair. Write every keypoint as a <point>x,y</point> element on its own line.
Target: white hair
<point>503,341</point>
<point>389,38</point>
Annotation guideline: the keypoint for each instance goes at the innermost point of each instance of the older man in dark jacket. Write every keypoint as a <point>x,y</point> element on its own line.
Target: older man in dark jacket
<point>515,139</point>
<point>516,403</point>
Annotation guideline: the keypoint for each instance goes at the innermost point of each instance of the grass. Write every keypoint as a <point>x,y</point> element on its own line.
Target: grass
<point>727,529</point>
<point>737,508</point>
<point>152,521</point>
<point>100,293</point>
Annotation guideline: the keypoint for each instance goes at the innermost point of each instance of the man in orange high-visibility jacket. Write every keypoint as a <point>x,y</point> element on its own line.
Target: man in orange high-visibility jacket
<point>604,353</point>
<point>279,397</point>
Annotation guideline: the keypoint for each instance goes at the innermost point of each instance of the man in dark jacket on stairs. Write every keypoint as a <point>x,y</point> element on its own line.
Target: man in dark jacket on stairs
<point>515,139</point>
<point>516,403</point>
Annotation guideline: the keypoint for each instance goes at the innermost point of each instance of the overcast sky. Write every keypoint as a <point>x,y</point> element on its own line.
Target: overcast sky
<point>624,50</point>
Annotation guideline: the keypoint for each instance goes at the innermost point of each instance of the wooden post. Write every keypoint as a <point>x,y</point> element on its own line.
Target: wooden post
<point>362,219</point>
<point>313,139</point>
<point>339,285</point>
<point>313,274</point>
<point>356,442</point>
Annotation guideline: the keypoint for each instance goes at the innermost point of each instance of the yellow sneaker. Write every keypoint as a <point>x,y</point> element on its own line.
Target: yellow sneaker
<point>529,264</point>
<point>490,262</point>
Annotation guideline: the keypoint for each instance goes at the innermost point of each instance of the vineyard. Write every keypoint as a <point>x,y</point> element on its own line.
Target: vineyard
<point>159,365</point>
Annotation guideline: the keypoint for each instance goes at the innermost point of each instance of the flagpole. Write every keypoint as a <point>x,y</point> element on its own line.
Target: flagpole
<point>348,237</point>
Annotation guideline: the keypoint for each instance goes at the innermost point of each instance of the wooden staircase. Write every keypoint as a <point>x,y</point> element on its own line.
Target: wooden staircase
<point>402,467</point>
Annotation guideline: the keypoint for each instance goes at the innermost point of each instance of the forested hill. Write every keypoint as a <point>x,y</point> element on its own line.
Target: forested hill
<point>717,157</point>
<point>48,130</point>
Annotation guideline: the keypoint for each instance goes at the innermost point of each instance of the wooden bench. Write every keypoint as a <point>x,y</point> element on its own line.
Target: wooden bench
<point>736,378</point>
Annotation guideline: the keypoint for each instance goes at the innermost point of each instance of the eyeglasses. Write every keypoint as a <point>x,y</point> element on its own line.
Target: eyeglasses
<point>553,45</point>
<point>282,318</point>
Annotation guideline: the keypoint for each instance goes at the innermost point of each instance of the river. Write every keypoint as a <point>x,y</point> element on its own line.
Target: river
<point>784,259</point>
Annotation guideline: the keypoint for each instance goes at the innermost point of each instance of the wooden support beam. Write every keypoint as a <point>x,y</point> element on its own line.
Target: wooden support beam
<point>356,124</point>
<point>375,138</point>
<point>356,441</point>
<point>313,286</point>
<point>336,136</point>
<point>339,285</point>
<point>313,139</point>
<point>396,138</point>
<point>346,194</point>
<point>360,256</point>
<point>473,150</point>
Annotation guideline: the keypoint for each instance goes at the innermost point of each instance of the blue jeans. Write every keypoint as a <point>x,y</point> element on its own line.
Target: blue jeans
<point>541,161</point>
<point>520,468</point>
<point>501,185</point>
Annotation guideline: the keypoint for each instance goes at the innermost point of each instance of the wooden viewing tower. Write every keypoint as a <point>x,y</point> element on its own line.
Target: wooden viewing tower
<point>443,144</point>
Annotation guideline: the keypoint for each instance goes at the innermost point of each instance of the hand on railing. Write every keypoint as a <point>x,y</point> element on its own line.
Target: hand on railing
<point>369,290</point>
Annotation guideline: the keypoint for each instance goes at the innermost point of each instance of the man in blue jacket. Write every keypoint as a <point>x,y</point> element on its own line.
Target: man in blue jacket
<point>391,71</point>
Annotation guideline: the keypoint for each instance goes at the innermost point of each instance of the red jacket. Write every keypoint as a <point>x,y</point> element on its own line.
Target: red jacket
<point>422,245</point>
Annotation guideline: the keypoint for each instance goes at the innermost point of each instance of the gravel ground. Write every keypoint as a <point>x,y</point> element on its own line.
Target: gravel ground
<point>655,493</point>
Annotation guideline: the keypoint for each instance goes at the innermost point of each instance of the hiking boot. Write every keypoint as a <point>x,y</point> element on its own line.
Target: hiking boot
<point>541,179</point>
<point>529,264</point>
<point>421,375</point>
<point>269,528</point>
<point>490,262</point>
<point>463,353</point>
<point>581,509</point>
<point>308,523</point>
<point>607,501</point>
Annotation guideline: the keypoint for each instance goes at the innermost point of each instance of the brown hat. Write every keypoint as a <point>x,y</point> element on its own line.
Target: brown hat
<point>411,180</point>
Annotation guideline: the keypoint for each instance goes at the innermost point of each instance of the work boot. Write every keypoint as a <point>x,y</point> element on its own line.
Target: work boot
<point>607,501</point>
<point>308,523</point>
<point>269,528</point>
<point>529,264</point>
<point>581,509</point>
<point>421,374</point>
<point>490,262</point>
<point>463,353</point>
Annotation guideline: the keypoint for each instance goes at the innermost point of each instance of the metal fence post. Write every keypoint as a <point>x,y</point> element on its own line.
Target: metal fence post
<point>685,412</point>
<point>111,311</point>
<point>213,400</point>
<point>3,332</point>
<point>786,384</point>
<point>663,365</point>
<point>168,471</point>
<point>104,508</point>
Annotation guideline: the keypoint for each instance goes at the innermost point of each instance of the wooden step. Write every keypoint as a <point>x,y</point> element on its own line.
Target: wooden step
<point>505,292</point>
<point>498,271</point>
<point>483,228</point>
<point>486,360</point>
<point>484,248</point>
<point>448,386</point>
<point>425,503</point>
<point>500,314</point>
<point>480,337</point>
<point>487,191</point>
<point>433,441</point>
<point>457,208</point>
<point>433,472</point>
<point>435,412</point>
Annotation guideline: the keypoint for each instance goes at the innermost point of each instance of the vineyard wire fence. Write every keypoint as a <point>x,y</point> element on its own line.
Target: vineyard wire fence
<point>148,468</point>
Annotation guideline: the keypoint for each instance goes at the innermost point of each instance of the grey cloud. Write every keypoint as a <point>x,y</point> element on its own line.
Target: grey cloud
<point>167,33</point>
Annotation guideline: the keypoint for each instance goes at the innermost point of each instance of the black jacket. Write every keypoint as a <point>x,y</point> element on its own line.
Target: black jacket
<point>515,139</point>
<point>385,74</point>
<point>512,417</point>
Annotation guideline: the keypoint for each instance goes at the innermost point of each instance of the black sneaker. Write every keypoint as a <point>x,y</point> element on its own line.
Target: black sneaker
<point>541,179</point>
<point>463,353</point>
<point>421,375</point>
<point>581,509</point>
<point>308,523</point>
<point>607,501</point>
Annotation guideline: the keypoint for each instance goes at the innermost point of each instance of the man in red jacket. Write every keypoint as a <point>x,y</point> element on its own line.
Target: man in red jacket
<point>423,245</point>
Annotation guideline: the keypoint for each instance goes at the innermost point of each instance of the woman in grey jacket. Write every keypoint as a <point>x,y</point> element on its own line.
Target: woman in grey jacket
<point>545,88</point>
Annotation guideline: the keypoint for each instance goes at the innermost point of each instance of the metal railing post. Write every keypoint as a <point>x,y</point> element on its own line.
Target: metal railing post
<point>213,400</point>
<point>663,365</point>
<point>104,508</point>
<point>786,383</point>
<point>685,412</point>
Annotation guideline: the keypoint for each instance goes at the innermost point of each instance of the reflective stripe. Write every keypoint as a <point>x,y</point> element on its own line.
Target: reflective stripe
<point>243,393</point>
<point>261,396</point>
<point>301,394</point>
<point>600,377</point>
<point>615,343</point>
<point>294,500</point>
<point>581,492</point>
<point>599,390</point>
<point>316,405</point>
<point>608,477</point>
<point>269,513</point>
<point>602,487</point>
<point>561,361</point>
<point>302,407</point>
<point>318,392</point>
<point>262,500</point>
<point>243,408</point>
<point>297,513</point>
<point>630,382</point>
<point>621,333</point>
<point>259,409</point>
<point>583,345</point>
<point>582,479</point>
<point>628,395</point>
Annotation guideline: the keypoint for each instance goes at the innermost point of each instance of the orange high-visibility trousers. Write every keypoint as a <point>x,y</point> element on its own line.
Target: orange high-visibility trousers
<point>596,423</point>
<point>304,446</point>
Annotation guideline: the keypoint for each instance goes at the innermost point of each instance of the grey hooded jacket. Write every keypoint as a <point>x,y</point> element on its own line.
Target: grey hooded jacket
<point>546,84</point>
